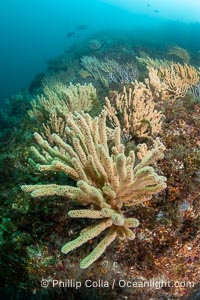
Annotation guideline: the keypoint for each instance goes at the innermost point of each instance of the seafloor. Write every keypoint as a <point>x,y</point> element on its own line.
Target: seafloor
<point>166,246</point>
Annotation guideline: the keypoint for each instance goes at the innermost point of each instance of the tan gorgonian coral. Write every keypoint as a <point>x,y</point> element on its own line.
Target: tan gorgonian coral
<point>157,87</point>
<point>178,79</point>
<point>108,70</point>
<point>134,112</point>
<point>63,100</point>
<point>171,82</point>
<point>180,53</point>
<point>153,63</point>
<point>99,69</point>
<point>55,124</point>
<point>53,107</point>
<point>94,44</point>
<point>52,78</point>
<point>106,178</point>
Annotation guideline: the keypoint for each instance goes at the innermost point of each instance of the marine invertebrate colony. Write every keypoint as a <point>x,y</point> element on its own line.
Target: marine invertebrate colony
<point>34,230</point>
<point>180,53</point>
<point>176,79</point>
<point>107,71</point>
<point>153,63</point>
<point>57,101</point>
<point>106,178</point>
<point>136,109</point>
<point>63,100</point>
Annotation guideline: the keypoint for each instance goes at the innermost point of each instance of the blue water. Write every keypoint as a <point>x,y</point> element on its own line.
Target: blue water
<point>33,31</point>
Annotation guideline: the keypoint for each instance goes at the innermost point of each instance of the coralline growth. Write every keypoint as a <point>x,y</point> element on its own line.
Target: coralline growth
<point>153,63</point>
<point>108,71</point>
<point>53,106</point>
<point>178,79</point>
<point>134,111</point>
<point>108,175</point>
<point>63,99</point>
<point>106,178</point>
<point>173,82</point>
<point>173,79</point>
<point>181,53</point>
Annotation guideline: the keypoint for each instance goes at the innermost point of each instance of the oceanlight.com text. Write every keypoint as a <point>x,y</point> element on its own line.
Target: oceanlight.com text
<point>156,284</point>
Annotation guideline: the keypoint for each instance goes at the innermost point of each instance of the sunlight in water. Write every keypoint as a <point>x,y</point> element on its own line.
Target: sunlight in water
<point>183,10</point>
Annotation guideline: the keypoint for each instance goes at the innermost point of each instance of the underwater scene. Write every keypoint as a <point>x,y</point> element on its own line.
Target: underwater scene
<point>100,150</point>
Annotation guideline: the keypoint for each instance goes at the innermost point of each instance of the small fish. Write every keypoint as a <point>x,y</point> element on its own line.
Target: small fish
<point>82,27</point>
<point>156,11</point>
<point>70,34</point>
<point>148,5</point>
